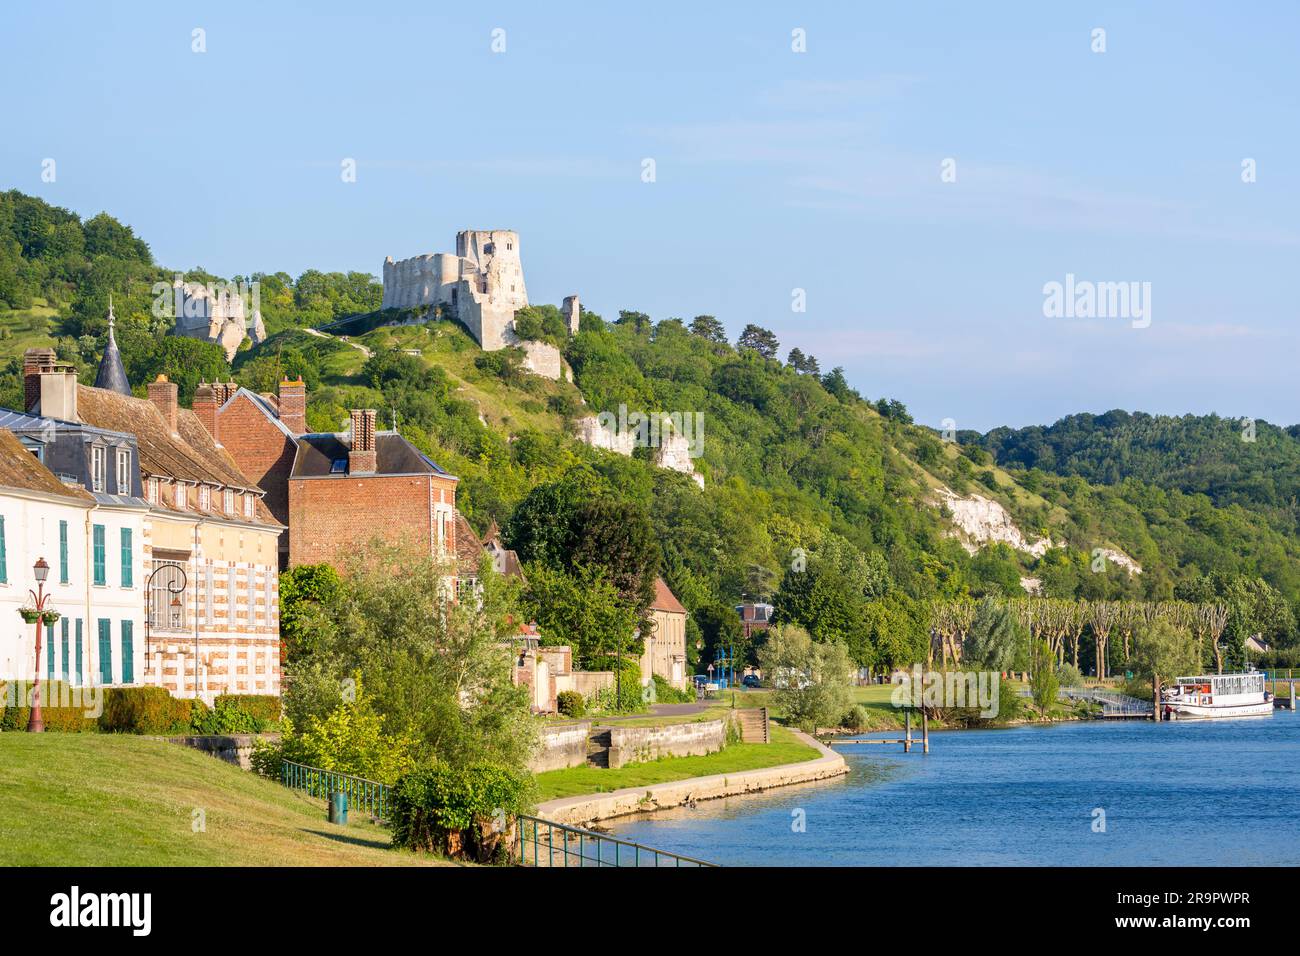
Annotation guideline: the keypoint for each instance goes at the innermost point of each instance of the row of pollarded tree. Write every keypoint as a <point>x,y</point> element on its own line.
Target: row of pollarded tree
<point>1062,623</point>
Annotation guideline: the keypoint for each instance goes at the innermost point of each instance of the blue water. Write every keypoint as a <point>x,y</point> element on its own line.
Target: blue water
<point>1194,793</point>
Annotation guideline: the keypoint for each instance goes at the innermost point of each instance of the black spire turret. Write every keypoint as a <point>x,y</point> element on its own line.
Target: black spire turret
<point>112,374</point>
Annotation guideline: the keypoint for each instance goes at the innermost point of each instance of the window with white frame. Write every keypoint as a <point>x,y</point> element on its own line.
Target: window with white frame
<point>228,500</point>
<point>205,498</point>
<point>168,595</point>
<point>153,491</point>
<point>98,466</point>
<point>124,471</point>
<point>248,505</point>
<point>182,498</point>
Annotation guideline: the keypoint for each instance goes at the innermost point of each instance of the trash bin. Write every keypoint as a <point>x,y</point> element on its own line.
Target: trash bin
<point>338,809</point>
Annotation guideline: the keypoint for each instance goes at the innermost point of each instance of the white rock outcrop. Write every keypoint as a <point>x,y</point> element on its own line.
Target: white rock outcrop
<point>1119,558</point>
<point>982,521</point>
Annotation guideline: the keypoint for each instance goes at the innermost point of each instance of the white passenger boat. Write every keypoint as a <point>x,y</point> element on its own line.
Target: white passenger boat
<point>1217,695</point>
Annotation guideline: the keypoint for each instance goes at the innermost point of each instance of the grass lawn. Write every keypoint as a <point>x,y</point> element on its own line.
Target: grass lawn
<point>784,748</point>
<point>118,800</point>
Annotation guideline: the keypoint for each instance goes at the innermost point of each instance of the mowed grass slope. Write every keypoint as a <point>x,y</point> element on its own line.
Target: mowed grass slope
<point>117,800</point>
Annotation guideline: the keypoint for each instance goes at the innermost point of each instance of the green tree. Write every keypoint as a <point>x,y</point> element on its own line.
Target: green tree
<point>709,329</point>
<point>1044,682</point>
<point>996,639</point>
<point>812,679</point>
<point>1161,651</point>
<point>761,340</point>
<point>439,672</point>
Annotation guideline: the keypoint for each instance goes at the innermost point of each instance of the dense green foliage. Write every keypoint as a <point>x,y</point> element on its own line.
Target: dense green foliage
<point>465,812</point>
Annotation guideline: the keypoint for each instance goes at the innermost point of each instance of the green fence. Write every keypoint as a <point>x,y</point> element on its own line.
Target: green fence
<point>545,843</point>
<point>365,795</point>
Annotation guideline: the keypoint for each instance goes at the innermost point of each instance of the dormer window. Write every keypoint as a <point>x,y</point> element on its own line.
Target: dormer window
<point>153,491</point>
<point>248,506</point>
<point>205,498</point>
<point>229,501</point>
<point>123,471</point>
<point>181,497</point>
<point>98,466</point>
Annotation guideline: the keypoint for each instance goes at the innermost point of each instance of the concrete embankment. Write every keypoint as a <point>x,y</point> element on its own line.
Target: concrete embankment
<point>590,808</point>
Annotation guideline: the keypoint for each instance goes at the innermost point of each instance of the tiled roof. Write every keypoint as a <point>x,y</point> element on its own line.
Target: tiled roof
<point>469,550</point>
<point>665,600</point>
<point>20,469</point>
<point>189,456</point>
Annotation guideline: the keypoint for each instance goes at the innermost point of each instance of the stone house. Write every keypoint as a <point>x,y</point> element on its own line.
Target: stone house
<point>665,645</point>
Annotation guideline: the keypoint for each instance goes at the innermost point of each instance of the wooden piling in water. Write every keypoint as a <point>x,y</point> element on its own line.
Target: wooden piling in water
<point>907,723</point>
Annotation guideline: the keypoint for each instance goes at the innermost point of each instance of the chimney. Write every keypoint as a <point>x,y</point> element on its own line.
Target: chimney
<point>59,394</point>
<point>35,361</point>
<point>206,407</point>
<point>363,459</point>
<point>293,405</point>
<point>163,394</point>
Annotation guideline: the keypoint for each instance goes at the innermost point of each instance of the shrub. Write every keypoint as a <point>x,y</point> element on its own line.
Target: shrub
<point>466,813</point>
<point>570,703</point>
<point>856,719</point>
<point>267,758</point>
<point>148,710</point>
<point>1069,676</point>
<point>226,717</point>
<point>352,739</point>
<point>666,693</point>
<point>70,718</point>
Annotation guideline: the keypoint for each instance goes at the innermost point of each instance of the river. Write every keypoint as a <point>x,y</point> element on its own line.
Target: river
<point>1193,793</point>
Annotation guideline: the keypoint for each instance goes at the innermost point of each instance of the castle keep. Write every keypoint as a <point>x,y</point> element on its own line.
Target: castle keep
<point>482,285</point>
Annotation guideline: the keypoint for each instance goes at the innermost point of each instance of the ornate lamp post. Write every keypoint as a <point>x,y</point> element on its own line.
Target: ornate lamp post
<point>175,588</point>
<point>41,570</point>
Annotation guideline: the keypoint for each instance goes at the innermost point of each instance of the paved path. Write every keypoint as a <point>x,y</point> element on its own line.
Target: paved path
<point>662,710</point>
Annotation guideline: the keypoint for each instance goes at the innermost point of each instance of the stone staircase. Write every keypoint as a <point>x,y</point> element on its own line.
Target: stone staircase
<point>753,724</point>
<point>598,744</point>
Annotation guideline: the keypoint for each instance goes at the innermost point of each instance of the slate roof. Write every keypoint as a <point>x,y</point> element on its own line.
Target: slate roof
<point>112,374</point>
<point>318,451</point>
<point>20,469</point>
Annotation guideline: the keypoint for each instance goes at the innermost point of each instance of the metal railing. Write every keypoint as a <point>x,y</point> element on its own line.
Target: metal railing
<point>545,843</point>
<point>365,795</point>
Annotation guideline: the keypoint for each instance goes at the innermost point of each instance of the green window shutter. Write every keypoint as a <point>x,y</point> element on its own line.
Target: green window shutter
<point>63,646</point>
<point>49,651</point>
<point>4,564</point>
<point>105,652</point>
<point>128,652</point>
<point>126,558</point>
<point>101,572</point>
<point>81,673</point>
<point>63,552</point>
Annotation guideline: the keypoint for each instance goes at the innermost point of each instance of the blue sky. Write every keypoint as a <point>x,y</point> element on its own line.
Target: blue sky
<point>775,170</point>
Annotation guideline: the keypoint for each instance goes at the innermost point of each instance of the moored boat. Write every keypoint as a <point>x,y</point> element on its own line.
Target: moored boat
<point>1217,695</point>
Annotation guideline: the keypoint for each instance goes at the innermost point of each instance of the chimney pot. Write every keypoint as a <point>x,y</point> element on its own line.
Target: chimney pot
<point>35,362</point>
<point>206,408</point>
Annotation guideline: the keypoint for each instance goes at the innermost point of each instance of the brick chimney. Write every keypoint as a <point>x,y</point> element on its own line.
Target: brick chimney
<point>205,407</point>
<point>293,405</point>
<point>163,394</point>
<point>35,361</point>
<point>363,459</point>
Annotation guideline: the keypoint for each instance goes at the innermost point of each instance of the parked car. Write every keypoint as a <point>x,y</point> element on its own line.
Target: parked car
<point>750,680</point>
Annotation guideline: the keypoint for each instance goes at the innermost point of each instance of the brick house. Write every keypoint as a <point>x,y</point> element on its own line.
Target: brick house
<point>346,488</point>
<point>332,491</point>
<point>210,582</point>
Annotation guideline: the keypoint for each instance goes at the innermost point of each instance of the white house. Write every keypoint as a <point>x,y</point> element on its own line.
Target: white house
<point>92,542</point>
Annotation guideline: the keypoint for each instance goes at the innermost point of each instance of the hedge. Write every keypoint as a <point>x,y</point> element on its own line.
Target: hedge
<point>69,719</point>
<point>148,710</point>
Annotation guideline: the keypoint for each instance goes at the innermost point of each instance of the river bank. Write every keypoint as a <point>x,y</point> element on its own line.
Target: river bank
<point>592,808</point>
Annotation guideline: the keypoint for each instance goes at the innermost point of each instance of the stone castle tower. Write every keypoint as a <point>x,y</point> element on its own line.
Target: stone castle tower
<point>482,284</point>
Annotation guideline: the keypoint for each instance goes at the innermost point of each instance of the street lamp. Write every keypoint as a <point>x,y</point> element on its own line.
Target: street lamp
<point>41,571</point>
